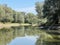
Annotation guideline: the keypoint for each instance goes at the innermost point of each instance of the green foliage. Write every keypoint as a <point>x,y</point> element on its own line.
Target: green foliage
<point>39,8</point>
<point>2,13</point>
<point>9,15</point>
<point>18,17</point>
<point>31,18</point>
<point>51,11</point>
<point>6,14</point>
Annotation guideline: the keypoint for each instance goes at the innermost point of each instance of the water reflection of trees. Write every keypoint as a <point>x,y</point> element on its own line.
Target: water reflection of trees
<point>43,42</point>
<point>18,31</point>
<point>32,31</point>
<point>6,35</point>
<point>48,39</point>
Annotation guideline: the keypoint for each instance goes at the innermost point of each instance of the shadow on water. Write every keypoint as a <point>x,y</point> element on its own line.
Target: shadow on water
<point>27,35</point>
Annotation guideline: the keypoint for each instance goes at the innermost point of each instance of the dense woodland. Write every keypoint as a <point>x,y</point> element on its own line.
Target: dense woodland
<point>47,13</point>
<point>51,11</point>
<point>7,14</point>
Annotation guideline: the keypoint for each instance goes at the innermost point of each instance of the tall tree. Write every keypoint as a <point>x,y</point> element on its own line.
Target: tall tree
<point>51,11</point>
<point>8,14</point>
<point>2,13</point>
<point>39,8</point>
<point>18,17</point>
<point>31,18</point>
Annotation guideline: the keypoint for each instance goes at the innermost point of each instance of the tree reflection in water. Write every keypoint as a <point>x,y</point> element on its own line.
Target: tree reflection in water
<point>7,35</point>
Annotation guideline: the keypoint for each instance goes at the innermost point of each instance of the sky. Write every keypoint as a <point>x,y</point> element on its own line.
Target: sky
<point>21,5</point>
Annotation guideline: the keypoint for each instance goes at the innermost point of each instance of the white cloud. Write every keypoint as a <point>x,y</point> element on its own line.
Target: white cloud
<point>27,10</point>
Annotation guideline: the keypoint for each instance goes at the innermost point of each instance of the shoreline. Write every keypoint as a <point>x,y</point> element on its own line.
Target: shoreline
<point>8,25</point>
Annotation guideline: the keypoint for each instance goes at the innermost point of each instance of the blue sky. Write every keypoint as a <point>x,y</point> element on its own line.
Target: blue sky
<point>21,5</point>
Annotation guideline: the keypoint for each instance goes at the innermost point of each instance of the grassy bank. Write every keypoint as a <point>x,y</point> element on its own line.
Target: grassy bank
<point>8,25</point>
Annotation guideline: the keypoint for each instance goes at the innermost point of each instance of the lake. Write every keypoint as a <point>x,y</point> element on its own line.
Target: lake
<point>22,35</point>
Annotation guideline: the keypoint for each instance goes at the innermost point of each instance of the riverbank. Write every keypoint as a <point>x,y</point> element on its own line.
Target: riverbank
<point>8,25</point>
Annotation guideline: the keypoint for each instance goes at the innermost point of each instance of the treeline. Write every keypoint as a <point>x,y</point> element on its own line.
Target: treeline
<point>7,14</point>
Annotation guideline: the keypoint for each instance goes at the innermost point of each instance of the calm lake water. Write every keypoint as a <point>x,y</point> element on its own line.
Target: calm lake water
<point>22,35</point>
<point>19,35</point>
